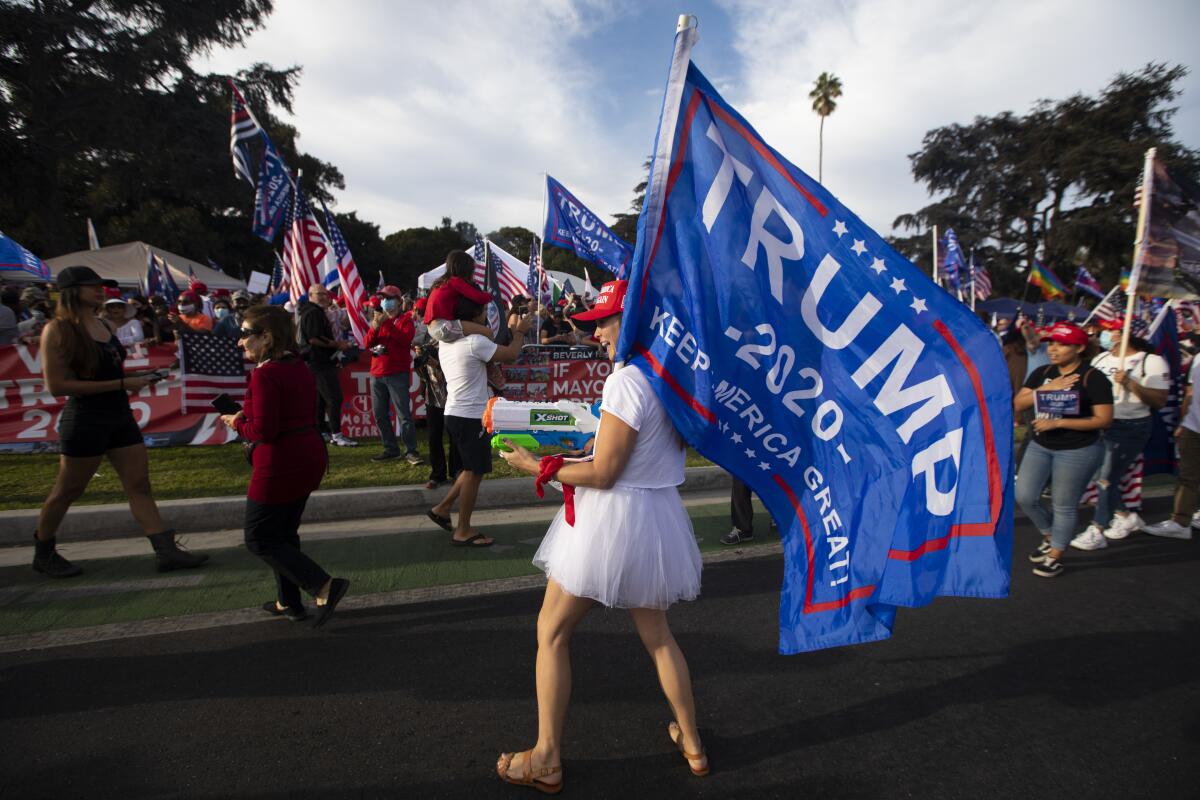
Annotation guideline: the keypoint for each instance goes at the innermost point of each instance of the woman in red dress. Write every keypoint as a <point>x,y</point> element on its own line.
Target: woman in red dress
<point>289,459</point>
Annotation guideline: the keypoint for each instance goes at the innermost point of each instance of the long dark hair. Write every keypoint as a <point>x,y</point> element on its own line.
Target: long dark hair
<point>78,347</point>
<point>458,265</point>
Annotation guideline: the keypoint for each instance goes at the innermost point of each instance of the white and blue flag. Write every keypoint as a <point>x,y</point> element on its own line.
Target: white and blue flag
<point>790,344</point>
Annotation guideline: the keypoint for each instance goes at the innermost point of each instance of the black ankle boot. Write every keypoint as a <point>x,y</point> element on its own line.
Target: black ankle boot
<point>47,561</point>
<point>168,554</point>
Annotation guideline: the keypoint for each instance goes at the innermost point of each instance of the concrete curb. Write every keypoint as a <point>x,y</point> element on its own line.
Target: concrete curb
<point>89,523</point>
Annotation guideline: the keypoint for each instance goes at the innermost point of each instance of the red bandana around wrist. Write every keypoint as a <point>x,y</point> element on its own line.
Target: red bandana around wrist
<point>549,466</point>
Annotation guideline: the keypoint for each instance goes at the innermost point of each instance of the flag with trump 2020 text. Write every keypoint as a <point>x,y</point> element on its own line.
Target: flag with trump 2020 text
<point>570,225</point>
<point>868,409</point>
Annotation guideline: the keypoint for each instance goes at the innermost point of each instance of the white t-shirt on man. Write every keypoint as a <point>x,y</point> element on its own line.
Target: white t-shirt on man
<point>1148,369</point>
<point>657,460</point>
<point>464,363</point>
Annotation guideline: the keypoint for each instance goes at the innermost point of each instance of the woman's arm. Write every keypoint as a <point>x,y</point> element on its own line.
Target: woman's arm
<point>1023,400</point>
<point>614,446</point>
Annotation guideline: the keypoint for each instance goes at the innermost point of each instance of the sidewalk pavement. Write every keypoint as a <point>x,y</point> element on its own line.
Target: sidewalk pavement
<point>92,522</point>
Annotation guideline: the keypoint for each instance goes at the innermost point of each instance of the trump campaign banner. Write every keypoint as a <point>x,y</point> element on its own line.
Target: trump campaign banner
<point>570,225</point>
<point>869,409</point>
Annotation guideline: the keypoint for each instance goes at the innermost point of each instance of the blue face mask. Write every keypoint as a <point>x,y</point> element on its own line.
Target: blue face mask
<point>221,313</point>
<point>391,304</point>
<point>1107,339</point>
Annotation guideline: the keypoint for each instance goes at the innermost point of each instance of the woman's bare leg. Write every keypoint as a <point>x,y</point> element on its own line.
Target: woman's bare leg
<point>560,614</point>
<point>133,468</point>
<point>673,674</point>
<point>74,474</point>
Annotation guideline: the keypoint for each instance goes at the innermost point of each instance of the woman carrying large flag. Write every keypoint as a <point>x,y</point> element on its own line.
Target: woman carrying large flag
<point>622,540</point>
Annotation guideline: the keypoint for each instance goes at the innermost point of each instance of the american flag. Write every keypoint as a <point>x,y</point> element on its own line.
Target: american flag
<point>1111,307</point>
<point>242,127</point>
<point>479,254</point>
<point>981,281</point>
<point>507,282</point>
<point>279,277</point>
<point>304,246</point>
<point>192,279</point>
<point>1131,487</point>
<point>538,282</point>
<point>353,291</point>
<point>210,365</point>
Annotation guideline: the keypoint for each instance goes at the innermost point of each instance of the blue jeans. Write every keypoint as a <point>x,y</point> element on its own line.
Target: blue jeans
<point>1123,441</point>
<point>1068,472</point>
<point>387,391</point>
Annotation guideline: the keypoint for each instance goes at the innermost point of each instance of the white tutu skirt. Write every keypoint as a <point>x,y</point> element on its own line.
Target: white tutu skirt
<point>629,548</point>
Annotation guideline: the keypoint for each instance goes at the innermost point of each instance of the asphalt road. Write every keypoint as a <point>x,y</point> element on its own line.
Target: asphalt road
<point>1085,686</point>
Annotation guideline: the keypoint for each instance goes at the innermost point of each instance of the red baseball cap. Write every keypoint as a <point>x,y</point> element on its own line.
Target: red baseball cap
<point>611,301</point>
<point>1066,333</point>
<point>419,306</point>
<point>390,291</point>
<point>375,302</point>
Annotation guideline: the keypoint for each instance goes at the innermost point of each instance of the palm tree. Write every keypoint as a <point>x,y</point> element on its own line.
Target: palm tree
<point>824,96</point>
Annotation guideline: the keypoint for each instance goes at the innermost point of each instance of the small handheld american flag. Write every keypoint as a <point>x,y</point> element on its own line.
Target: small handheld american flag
<point>210,365</point>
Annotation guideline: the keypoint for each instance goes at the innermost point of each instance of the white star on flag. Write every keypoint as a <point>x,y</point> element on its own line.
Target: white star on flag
<point>898,285</point>
<point>839,228</point>
<point>763,465</point>
<point>736,438</point>
<point>878,266</point>
<point>918,305</point>
<point>750,453</point>
<point>724,426</point>
<point>859,247</point>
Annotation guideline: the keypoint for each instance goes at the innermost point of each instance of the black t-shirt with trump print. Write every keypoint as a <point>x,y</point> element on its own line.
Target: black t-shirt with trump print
<point>1093,388</point>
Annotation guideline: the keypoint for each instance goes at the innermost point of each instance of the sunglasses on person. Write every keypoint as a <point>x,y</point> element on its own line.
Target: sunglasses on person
<point>248,332</point>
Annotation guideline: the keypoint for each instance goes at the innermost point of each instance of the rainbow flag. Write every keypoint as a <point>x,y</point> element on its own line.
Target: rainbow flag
<point>1044,278</point>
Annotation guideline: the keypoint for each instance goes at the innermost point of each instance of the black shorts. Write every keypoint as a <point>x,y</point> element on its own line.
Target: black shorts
<point>89,433</point>
<point>472,442</point>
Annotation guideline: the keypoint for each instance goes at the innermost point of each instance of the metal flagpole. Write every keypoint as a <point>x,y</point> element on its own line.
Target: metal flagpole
<point>934,269</point>
<point>1136,272</point>
<point>541,265</point>
<point>973,292</point>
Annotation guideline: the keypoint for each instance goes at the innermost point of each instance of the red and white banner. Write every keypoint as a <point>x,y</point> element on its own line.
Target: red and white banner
<point>29,415</point>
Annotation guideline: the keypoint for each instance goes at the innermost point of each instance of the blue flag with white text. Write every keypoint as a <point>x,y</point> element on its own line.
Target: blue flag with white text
<point>868,409</point>
<point>570,225</point>
<point>15,258</point>
<point>272,195</point>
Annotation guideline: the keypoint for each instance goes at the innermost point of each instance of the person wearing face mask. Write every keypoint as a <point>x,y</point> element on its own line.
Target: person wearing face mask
<point>226,323</point>
<point>191,314</point>
<point>389,341</point>
<point>1139,385</point>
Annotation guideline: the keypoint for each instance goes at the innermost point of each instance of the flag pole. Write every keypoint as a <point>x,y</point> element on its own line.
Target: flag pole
<point>973,293</point>
<point>1139,239</point>
<point>541,265</point>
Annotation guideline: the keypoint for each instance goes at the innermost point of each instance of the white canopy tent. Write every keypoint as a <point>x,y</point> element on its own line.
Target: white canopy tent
<point>126,264</point>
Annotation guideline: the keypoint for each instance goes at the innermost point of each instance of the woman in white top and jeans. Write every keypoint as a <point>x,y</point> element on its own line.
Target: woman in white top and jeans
<point>626,543</point>
<point>1138,390</point>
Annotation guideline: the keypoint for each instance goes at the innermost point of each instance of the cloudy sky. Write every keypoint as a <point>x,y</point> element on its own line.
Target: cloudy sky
<point>458,108</point>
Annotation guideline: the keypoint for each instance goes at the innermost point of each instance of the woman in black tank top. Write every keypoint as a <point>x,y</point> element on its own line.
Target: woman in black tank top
<point>82,359</point>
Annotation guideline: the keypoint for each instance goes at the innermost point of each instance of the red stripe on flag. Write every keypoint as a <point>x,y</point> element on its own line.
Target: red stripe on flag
<point>669,379</point>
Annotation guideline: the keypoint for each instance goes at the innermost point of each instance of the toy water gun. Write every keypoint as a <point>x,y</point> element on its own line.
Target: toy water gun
<point>532,425</point>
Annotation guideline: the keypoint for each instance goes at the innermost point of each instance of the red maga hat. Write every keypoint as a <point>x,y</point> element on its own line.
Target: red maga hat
<point>611,301</point>
<point>390,291</point>
<point>420,305</point>
<point>1066,333</point>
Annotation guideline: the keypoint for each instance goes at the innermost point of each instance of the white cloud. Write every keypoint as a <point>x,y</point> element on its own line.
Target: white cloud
<point>909,67</point>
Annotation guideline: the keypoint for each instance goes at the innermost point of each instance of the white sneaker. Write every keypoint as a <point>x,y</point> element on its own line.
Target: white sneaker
<point>1168,528</point>
<point>1091,539</point>
<point>1196,520</point>
<point>342,441</point>
<point>1120,527</point>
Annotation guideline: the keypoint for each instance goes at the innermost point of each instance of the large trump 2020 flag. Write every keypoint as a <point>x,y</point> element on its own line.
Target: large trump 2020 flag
<point>790,344</point>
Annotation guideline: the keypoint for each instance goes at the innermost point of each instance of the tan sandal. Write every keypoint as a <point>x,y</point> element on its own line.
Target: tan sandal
<point>678,742</point>
<point>530,778</point>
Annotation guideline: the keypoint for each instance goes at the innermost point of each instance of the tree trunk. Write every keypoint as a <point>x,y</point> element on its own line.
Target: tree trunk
<point>821,149</point>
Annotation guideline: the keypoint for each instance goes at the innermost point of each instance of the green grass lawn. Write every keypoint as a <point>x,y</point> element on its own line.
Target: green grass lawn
<point>235,579</point>
<point>213,471</point>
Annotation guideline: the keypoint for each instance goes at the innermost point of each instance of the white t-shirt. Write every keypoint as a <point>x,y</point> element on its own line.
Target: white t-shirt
<point>1191,418</point>
<point>464,363</point>
<point>131,333</point>
<point>657,459</point>
<point>1148,369</point>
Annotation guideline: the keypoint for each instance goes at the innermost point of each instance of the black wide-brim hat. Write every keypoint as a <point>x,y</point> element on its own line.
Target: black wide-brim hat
<point>82,276</point>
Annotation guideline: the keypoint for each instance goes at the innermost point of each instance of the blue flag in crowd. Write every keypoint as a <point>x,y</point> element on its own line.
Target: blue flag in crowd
<point>272,195</point>
<point>1086,282</point>
<point>869,410</point>
<point>953,264</point>
<point>1160,448</point>
<point>15,258</point>
<point>571,226</point>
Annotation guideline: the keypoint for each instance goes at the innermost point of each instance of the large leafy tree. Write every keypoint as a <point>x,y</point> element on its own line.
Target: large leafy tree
<point>103,116</point>
<point>1056,183</point>
<point>826,90</point>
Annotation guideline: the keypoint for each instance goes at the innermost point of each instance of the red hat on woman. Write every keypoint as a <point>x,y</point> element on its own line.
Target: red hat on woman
<point>1066,333</point>
<point>611,301</point>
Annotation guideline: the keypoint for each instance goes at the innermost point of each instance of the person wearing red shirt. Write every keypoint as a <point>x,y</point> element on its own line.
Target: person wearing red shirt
<point>390,344</point>
<point>289,461</point>
<point>443,299</point>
